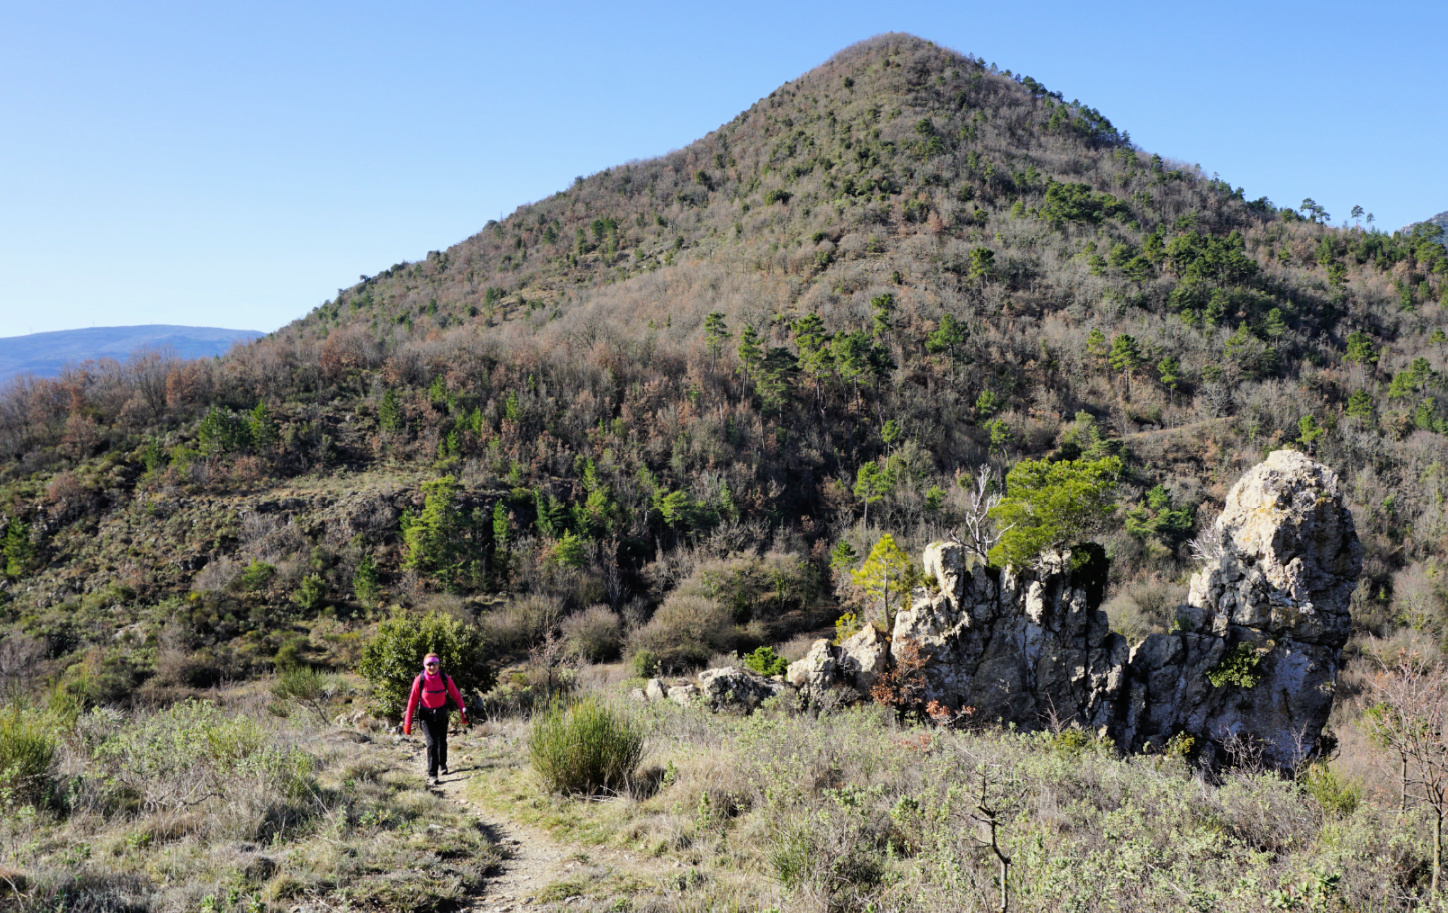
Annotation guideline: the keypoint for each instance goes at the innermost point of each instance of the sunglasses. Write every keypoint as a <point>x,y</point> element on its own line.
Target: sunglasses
<point>429,664</point>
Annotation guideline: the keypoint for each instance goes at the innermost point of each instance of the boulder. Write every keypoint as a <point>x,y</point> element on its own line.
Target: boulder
<point>862,657</point>
<point>683,694</point>
<point>736,689</point>
<point>817,672</point>
<point>851,667</point>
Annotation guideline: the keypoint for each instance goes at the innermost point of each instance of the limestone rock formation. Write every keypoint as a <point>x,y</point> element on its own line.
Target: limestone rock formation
<point>1029,647</point>
<point>1266,619</point>
<point>738,689</point>
<point>853,665</point>
<point>1249,667</point>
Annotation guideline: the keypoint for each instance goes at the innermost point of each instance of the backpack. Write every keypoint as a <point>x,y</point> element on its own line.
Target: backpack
<point>447,686</point>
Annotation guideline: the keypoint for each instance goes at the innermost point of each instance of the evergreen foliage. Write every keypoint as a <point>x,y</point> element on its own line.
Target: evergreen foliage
<point>1050,506</point>
<point>393,657</point>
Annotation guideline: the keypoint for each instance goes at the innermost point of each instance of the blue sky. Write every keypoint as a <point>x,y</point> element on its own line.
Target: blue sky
<point>234,165</point>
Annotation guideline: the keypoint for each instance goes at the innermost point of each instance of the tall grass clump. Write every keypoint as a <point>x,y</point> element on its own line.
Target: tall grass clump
<point>27,750</point>
<point>585,749</point>
<point>194,754</point>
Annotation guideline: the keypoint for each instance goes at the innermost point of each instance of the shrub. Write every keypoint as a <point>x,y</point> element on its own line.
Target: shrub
<point>685,631</point>
<point>765,662</point>
<point>393,658</point>
<point>1336,794</point>
<point>847,626</point>
<point>195,753</point>
<point>645,663</point>
<point>596,634</point>
<point>27,748</point>
<point>1240,666</point>
<point>312,594</point>
<point>305,686</point>
<point>585,749</point>
<point>522,622</point>
<point>257,576</point>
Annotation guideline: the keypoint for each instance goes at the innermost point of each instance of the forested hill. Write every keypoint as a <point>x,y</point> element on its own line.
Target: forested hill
<point>756,353</point>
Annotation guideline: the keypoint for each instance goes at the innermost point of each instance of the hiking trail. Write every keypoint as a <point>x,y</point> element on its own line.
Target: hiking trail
<point>538,871</point>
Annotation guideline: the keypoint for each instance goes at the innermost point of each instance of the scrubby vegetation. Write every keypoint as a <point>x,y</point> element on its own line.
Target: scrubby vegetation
<point>691,408</point>
<point>585,748</point>
<point>222,807</point>
<point>838,812</point>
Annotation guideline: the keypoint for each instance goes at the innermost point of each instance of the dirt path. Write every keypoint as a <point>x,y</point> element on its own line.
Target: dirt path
<point>539,872</point>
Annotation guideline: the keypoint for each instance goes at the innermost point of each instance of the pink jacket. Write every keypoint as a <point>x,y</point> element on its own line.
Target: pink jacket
<point>433,691</point>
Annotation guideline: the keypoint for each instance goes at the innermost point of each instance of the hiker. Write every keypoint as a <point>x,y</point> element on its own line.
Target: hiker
<point>433,689</point>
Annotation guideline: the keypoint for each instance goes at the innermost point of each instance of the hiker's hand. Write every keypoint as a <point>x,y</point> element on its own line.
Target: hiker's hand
<point>407,731</point>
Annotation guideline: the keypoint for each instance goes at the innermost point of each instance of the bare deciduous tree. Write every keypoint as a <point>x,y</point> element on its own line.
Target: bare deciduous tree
<point>984,493</point>
<point>1409,716</point>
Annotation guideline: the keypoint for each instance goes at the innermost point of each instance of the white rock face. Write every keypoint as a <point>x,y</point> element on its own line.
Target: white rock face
<point>1033,647</point>
<point>1278,591</point>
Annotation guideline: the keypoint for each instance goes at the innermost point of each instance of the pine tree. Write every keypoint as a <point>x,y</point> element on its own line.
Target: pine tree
<point>887,575</point>
<point>1125,357</point>
<point>1051,505</point>
<point>716,334</point>
<point>1360,404</point>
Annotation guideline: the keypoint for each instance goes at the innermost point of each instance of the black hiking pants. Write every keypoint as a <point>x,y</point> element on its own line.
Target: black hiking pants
<point>434,730</point>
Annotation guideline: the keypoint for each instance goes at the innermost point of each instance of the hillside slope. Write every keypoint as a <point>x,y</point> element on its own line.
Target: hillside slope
<point>676,391</point>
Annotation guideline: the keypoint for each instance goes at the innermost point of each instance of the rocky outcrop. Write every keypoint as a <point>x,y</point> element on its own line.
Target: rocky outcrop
<point>852,665</point>
<point>1250,665</point>
<point>1255,656</point>
<point>737,689</point>
<point>1030,648</point>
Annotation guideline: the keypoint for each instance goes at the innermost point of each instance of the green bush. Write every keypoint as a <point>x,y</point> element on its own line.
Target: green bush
<point>645,663</point>
<point>585,749</point>
<point>306,687</point>
<point>393,658</point>
<point>312,594</point>
<point>847,626</point>
<point>766,662</point>
<point>257,576</point>
<point>1240,666</point>
<point>1336,794</point>
<point>27,748</point>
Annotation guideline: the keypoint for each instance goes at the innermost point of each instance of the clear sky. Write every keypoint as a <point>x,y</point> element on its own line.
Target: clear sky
<point>235,164</point>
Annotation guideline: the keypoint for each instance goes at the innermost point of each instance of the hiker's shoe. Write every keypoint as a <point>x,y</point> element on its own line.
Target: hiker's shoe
<point>433,781</point>
<point>444,770</point>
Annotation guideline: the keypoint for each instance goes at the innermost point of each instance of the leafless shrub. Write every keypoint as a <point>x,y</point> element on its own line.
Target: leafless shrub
<point>521,622</point>
<point>595,634</point>
<point>978,532</point>
<point>217,575</point>
<point>19,656</point>
<point>685,631</point>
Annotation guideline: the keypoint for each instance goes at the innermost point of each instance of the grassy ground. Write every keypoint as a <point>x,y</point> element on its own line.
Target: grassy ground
<point>223,806</point>
<point>854,811</point>
<point>228,806</point>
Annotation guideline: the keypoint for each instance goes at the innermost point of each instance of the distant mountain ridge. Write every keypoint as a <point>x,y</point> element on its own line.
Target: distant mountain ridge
<point>47,354</point>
